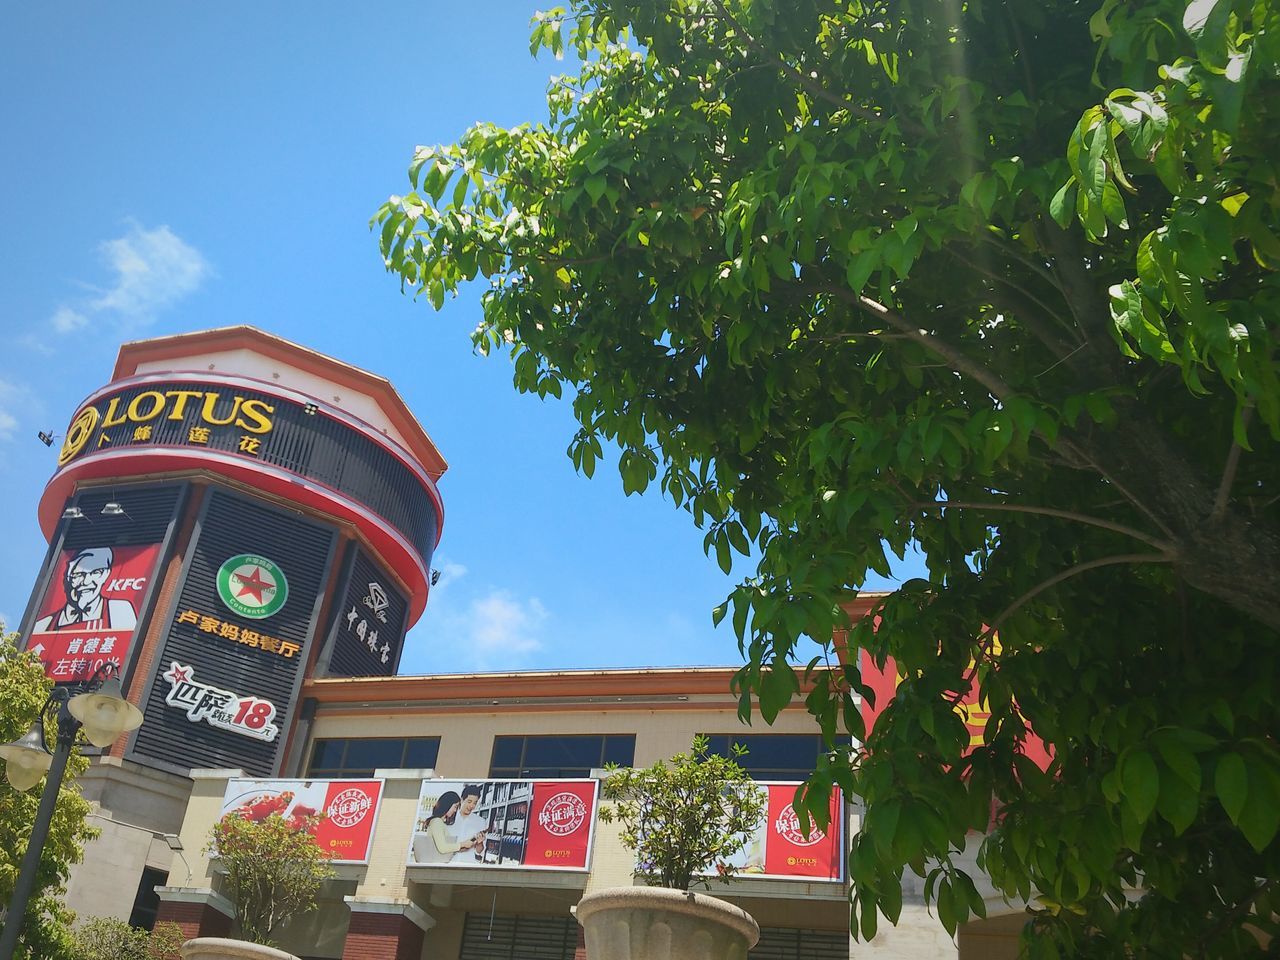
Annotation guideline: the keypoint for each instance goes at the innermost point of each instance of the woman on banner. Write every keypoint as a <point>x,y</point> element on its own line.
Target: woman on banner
<point>434,843</point>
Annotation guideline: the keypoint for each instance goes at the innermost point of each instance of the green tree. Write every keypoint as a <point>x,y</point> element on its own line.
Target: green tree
<point>107,938</point>
<point>273,872</point>
<point>994,279</point>
<point>46,934</point>
<point>687,817</point>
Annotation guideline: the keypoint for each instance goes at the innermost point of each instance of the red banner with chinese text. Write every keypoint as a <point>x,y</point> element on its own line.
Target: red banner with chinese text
<point>339,814</point>
<point>89,613</point>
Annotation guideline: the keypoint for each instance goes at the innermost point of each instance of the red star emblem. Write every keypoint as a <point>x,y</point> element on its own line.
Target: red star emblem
<point>178,673</point>
<point>254,584</point>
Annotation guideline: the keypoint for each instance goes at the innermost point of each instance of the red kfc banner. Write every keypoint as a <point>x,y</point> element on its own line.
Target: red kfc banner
<point>340,814</point>
<point>514,824</point>
<point>89,613</point>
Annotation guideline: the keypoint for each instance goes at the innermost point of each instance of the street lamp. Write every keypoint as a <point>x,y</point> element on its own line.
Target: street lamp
<point>98,707</point>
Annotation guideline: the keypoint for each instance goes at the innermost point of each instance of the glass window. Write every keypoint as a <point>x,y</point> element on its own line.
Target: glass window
<point>360,757</point>
<point>551,757</point>
<point>773,756</point>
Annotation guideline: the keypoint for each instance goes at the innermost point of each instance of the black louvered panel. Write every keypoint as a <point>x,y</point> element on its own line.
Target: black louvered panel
<point>311,445</point>
<point>369,625</point>
<point>148,511</point>
<point>506,937</point>
<point>233,525</point>
<point>784,943</point>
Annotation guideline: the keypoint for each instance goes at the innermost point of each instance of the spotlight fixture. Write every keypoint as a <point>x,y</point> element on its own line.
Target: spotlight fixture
<point>73,513</point>
<point>435,577</point>
<point>112,509</point>
<point>46,437</point>
<point>310,409</point>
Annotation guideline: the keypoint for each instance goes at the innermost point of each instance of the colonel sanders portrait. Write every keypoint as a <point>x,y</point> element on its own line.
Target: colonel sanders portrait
<point>86,608</point>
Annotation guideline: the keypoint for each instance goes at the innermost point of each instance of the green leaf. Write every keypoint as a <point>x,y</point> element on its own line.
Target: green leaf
<point>1140,779</point>
<point>1231,782</point>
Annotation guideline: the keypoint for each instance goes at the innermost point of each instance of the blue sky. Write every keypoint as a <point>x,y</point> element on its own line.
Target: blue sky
<point>172,167</point>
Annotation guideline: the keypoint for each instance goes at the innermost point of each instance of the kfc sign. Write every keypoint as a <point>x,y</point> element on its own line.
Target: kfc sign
<point>89,613</point>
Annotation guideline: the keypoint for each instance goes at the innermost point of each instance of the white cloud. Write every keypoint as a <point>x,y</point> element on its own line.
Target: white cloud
<point>499,628</point>
<point>66,320</point>
<point>10,396</point>
<point>153,269</point>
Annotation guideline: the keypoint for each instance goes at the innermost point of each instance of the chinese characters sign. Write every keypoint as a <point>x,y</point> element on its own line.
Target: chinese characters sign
<point>191,416</point>
<point>520,824</point>
<point>89,613</point>
<point>339,814</point>
<point>230,631</point>
<point>368,629</point>
<point>249,716</point>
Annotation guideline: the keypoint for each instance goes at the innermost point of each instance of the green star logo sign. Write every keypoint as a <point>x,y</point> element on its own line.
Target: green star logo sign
<point>252,586</point>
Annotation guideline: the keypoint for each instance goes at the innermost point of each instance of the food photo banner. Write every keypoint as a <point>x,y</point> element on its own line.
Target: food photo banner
<point>779,849</point>
<point>339,814</point>
<point>514,824</point>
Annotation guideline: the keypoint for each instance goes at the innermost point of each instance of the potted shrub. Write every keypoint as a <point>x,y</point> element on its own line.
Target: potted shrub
<point>686,820</point>
<point>272,871</point>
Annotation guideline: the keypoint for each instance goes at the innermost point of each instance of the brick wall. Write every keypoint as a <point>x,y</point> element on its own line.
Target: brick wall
<point>382,936</point>
<point>194,919</point>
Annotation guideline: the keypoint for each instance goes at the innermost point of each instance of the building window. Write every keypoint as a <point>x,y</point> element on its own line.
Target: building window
<point>549,758</point>
<point>773,756</point>
<point>333,759</point>
<point>146,903</point>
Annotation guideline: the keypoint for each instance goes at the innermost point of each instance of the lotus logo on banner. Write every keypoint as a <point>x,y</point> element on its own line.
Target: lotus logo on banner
<point>252,586</point>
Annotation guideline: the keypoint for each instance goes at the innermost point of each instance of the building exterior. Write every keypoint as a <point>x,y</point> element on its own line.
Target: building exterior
<point>246,527</point>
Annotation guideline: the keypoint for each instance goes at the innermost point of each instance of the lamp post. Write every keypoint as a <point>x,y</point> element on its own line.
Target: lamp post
<point>98,707</point>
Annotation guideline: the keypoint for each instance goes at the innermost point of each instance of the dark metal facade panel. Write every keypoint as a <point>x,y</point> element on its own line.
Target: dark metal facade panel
<point>232,525</point>
<point>785,943</point>
<point>372,606</point>
<point>311,445</point>
<point>148,511</point>
<point>506,937</point>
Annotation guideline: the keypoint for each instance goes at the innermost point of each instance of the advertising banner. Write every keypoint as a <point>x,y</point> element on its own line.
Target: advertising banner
<point>339,814</point>
<point>520,824</point>
<point>972,708</point>
<point>779,849</point>
<point>89,613</point>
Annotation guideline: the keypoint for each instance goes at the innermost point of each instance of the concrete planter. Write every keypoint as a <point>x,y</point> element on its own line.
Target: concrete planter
<point>654,923</point>
<point>220,948</point>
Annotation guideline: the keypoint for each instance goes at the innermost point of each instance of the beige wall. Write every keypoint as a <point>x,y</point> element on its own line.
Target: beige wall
<point>131,806</point>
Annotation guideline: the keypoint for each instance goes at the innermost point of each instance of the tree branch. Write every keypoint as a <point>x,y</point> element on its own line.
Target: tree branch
<point>1067,574</point>
<point>960,363</point>
<point>1229,470</point>
<point>1052,512</point>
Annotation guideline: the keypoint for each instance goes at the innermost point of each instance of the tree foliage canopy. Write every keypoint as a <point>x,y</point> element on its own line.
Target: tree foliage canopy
<point>273,872</point>
<point>687,817</point>
<point>995,279</point>
<point>47,930</point>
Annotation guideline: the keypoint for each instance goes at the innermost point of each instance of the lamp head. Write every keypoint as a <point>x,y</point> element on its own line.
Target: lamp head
<point>105,713</point>
<point>112,509</point>
<point>26,759</point>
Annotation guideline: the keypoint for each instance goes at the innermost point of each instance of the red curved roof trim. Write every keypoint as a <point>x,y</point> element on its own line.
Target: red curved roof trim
<point>387,542</point>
